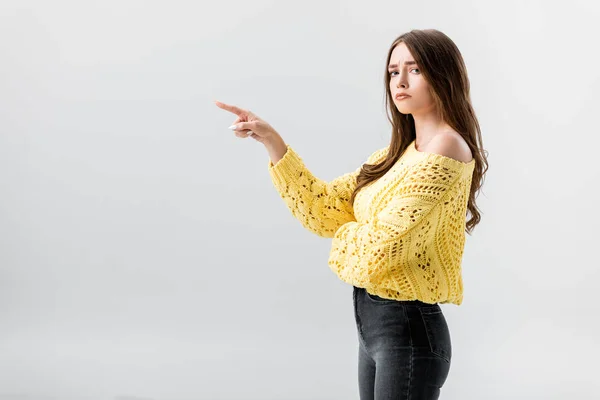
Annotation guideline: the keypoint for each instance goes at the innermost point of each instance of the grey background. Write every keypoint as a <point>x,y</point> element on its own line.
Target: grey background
<point>146,254</point>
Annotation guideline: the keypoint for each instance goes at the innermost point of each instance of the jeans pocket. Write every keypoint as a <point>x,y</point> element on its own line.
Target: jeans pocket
<point>438,333</point>
<point>376,299</point>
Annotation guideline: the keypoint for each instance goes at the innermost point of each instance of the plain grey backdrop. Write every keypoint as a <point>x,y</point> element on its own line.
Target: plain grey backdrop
<point>145,253</point>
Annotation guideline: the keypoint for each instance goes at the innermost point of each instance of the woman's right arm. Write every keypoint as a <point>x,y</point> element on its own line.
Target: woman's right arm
<point>321,207</point>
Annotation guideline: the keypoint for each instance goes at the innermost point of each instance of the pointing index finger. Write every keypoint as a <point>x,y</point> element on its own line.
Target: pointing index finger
<point>233,109</point>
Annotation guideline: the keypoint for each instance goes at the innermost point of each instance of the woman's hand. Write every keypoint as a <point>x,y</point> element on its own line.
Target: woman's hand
<point>248,124</point>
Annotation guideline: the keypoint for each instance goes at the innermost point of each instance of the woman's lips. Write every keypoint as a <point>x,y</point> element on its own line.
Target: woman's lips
<point>402,97</point>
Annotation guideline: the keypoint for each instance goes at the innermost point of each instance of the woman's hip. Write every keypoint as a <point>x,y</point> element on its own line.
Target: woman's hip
<point>386,325</point>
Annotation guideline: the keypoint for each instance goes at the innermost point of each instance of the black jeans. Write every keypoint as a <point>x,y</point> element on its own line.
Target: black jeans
<point>404,348</point>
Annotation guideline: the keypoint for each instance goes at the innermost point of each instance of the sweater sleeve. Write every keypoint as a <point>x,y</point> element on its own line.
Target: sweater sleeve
<point>320,206</point>
<point>362,253</point>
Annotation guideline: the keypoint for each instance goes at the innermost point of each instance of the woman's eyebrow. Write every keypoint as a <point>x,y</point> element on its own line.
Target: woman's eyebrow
<point>405,63</point>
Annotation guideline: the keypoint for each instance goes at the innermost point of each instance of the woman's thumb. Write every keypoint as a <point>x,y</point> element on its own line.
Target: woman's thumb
<point>240,126</point>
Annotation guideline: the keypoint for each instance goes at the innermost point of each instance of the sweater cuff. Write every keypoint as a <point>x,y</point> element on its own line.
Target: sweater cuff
<point>287,169</point>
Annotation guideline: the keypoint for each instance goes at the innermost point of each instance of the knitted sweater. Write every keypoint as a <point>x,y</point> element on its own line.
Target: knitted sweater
<point>404,237</point>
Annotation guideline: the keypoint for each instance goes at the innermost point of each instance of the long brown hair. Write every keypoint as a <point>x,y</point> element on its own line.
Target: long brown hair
<point>442,65</point>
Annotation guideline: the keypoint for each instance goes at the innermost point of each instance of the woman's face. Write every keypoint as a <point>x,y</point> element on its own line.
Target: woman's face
<point>407,78</point>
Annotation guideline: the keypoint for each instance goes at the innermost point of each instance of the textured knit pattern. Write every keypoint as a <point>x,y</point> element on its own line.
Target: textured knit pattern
<point>404,238</point>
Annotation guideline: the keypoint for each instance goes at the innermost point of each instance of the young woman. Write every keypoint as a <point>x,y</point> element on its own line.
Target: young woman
<point>398,222</point>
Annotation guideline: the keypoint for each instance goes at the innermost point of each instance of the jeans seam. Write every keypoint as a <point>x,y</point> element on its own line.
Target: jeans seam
<point>358,321</point>
<point>412,350</point>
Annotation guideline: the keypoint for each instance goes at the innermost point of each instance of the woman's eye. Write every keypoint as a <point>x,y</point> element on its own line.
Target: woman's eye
<point>411,70</point>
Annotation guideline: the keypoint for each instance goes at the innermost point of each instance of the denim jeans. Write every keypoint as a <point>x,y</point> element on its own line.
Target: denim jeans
<point>404,349</point>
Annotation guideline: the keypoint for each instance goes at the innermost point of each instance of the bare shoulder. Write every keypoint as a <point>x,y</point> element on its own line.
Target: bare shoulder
<point>451,145</point>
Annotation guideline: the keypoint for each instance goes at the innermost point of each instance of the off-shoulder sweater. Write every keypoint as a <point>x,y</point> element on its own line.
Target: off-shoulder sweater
<point>403,238</point>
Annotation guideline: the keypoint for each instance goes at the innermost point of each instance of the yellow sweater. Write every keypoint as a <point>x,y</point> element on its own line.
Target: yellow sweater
<point>404,238</point>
